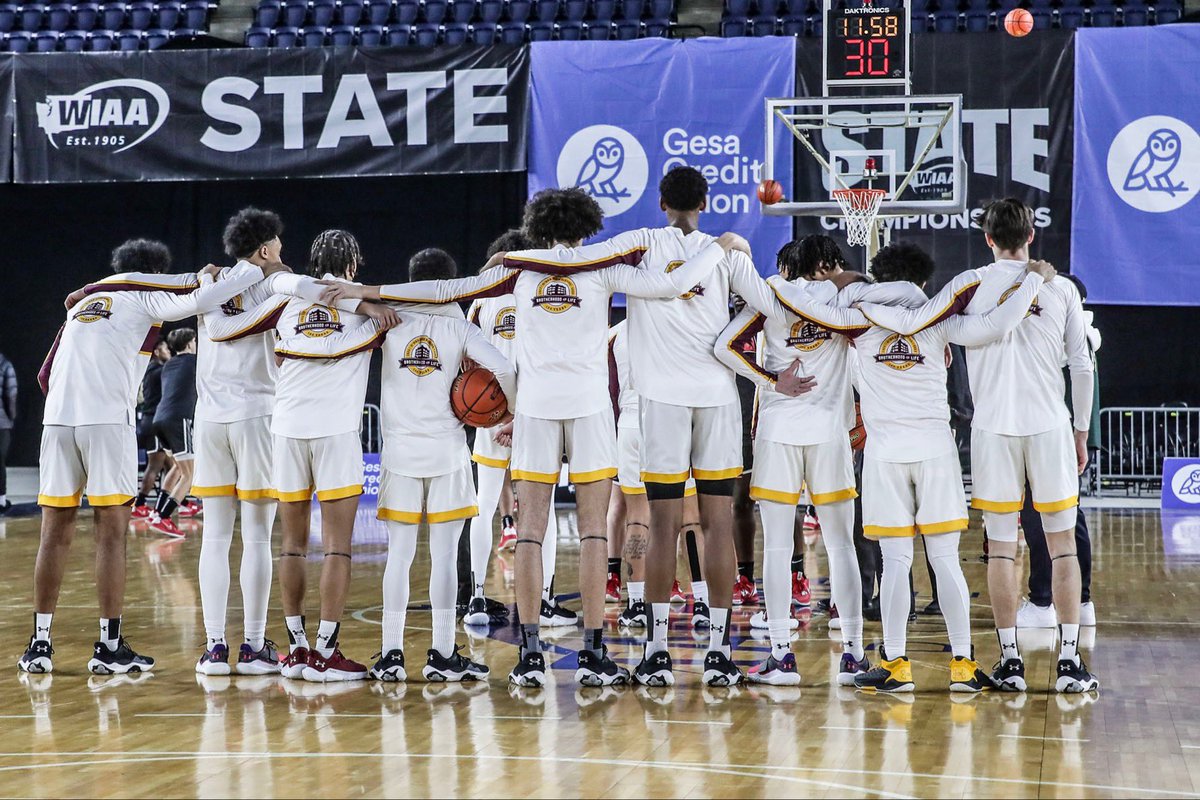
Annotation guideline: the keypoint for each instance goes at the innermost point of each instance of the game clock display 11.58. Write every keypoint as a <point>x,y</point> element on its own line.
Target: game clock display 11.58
<point>867,45</point>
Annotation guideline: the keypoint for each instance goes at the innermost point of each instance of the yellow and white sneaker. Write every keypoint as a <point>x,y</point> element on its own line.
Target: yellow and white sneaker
<point>966,676</point>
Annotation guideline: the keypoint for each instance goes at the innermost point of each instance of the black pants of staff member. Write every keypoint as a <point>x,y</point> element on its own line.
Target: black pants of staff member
<point>5,441</point>
<point>1040,592</point>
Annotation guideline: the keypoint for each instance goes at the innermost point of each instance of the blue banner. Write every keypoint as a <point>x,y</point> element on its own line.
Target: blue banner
<point>1137,165</point>
<point>613,117</point>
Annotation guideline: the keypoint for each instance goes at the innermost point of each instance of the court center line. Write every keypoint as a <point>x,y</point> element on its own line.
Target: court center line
<point>853,728</point>
<point>1041,738</point>
<point>720,723</point>
<point>513,716</point>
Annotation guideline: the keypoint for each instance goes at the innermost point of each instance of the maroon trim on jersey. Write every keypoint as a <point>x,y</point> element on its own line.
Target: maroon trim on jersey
<point>374,344</point>
<point>958,305</point>
<point>43,377</point>
<point>744,341</point>
<point>133,286</point>
<point>474,317</point>
<point>267,323</point>
<point>614,382</point>
<point>851,332</point>
<point>631,257</point>
<point>151,340</point>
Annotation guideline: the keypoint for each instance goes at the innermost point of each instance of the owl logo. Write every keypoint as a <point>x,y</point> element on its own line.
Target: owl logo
<point>421,357</point>
<point>608,163</point>
<point>506,323</point>
<point>1151,170</point>
<point>317,322</point>
<point>1191,484</point>
<point>695,291</point>
<point>1154,164</point>
<point>899,352</point>
<point>97,308</point>
<point>1185,484</point>
<point>598,173</point>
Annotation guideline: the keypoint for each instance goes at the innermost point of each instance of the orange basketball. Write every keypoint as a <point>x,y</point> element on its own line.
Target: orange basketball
<point>1018,22</point>
<point>769,192</point>
<point>477,399</point>
<point>858,434</point>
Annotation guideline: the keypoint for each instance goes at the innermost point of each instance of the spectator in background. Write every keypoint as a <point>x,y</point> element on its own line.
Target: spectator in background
<point>173,427</point>
<point>156,457</point>
<point>1038,611</point>
<point>8,417</point>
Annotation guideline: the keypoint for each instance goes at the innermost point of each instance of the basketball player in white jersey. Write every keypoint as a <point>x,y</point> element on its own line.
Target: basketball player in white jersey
<point>912,482</point>
<point>1022,432</point>
<point>91,378</point>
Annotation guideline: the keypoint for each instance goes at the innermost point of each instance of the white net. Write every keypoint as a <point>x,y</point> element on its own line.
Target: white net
<point>859,207</point>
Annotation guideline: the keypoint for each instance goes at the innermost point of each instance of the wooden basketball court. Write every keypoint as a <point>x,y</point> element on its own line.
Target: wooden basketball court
<point>175,734</point>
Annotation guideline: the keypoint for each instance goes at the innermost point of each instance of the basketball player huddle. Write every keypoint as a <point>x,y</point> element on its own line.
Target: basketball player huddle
<point>282,377</point>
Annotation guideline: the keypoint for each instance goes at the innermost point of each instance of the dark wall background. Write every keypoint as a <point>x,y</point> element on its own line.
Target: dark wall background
<point>57,238</point>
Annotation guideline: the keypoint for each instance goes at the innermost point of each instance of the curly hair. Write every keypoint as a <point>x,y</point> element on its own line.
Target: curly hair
<point>562,215</point>
<point>432,264</point>
<point>250,229</point>
<point>803,257</point>
<point>903,262</point>
<point>141,255</point>
<point>336,252</point>
<point>1009,222</point>
<point>179,339</point>
<point>683,189</point>
<point>512,239</point>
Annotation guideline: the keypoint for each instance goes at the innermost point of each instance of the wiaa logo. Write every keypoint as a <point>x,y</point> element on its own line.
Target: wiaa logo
<point>934,181</point>
<point>900,352</point>
<point>696,291</point>
<point>556,295</point>
<point>97,308</point>
<point>421,357</point>
<point>1035,310</point>
<point>807,336</point>
<point>317,322</point>
<point>505,325</point>
<point>117,114</point>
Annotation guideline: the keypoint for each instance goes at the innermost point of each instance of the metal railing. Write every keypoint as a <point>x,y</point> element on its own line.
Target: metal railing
<point>371,430</point>
<point>1134,442</point>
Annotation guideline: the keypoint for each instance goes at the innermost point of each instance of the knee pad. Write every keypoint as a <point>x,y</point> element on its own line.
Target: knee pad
<point>1000,527</point>
<point>721,488</point>
<point>1059,521</point>
<point>664,491</point>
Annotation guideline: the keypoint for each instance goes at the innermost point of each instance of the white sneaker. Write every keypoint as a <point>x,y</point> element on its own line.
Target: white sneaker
<point>759,622</point>
<point>1032,616</point>
<point>1087,614</point>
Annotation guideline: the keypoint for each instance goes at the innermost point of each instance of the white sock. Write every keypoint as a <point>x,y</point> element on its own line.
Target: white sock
<point>1008,643</point>
<point>41,626</point>
<point>491,482</point>
<point>779,522</point>
<point>953,595</point>
<point>402,547</point>
<point>1068,641</point>
<point>660,620</point>
<point>549,552</point>
<point>256,571</point>
<point>718,639</point>
<point>327,635</point>
<point>894,597</point>
<point>110,632</point>
<point>296,634</point>
<point>700,591</point>
<point>443,582</point>
<point>637,591</point>
<point>219,513</point>
<point>845,581</point>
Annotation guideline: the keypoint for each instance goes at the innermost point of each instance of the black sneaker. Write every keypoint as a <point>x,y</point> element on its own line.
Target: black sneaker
<point>37,657</point>
<point>655,670</point>
<point>117,662</point>
<point>934,609</point>
<point>496,610</point>
<point>1009,675</point>
<point>529,672</point>
<point>719,670</point>
<point>871,611</point>
<point>477,612</point>
<point>389,667</point>
<point>555,616</point>
<point>635,616</point>
<point>700,616</point>
<point>1074,678</point>
<point>456,668</point>
<point>600,670</point>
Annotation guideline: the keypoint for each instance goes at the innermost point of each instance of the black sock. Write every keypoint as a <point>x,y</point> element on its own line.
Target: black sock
<point>140,500</point>
<point>746,570</point>
<point>798,564</point>
<point>592,641</point>
<point>529,640</point>
<point>166,505</point>
<point>614,567</point>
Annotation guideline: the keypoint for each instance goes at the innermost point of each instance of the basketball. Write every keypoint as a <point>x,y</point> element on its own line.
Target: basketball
<point>769,192</point>
<point>1018,22</point>
<point>858,434</point>
<point>476,398</point>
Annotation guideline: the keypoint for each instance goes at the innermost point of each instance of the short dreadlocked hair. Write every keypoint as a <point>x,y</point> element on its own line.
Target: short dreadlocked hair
<point>250,229</point>
<point>336,252</point>
<point>902,262</point>
<point>683,189</point>
<point>141,255</point>
<point>562,215</point>
<point>803,257</point>
<point>432,264</point>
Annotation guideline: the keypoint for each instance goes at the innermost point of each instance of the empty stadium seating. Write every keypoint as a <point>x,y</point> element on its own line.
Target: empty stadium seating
<point>90,26</point>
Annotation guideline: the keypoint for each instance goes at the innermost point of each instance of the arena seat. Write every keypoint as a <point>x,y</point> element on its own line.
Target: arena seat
<point>598,31</point>
<point>195,15</point>
<point>426,34</point>
<point>321,12</point>
<point>632,9</point>
<point>734,28</point>
<point>139,14</point>
<point>575,10</point>
<point>455,33</point>
<point>546,10</point>
<point>763,26</point>
<point>155,38</point>
<point>8,17</point>
<point>257,37</point>
<point>295,12</point>
<point>657,28</point>
<point>58,17</point>
<point>285,37</point>
<point>73,41</point>
<point>100,41</point>
<point>517,10</point>
<point>129,40</point>
<point>379,11</point>
<point>407,12</point>
<point>350,12</point>
<point>45,41</point>
<point>341,35</point>
<point>371,35</point>
<point>19,41</point>
<point>569,30</point>
<point>484,33</point>
<point>461,11</point>
<point>433,11</point>
<point>167,14</point>
<point>794,26</point>
<point>604,10</point>
<point>512,32</point>
<point>398,35</point>
<point>313,36</point>
<point>267,14</point>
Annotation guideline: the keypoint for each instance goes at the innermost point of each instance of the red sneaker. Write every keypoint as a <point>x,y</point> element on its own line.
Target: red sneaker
<point>835,621</point>
<point>141,512</point>
<point>677,595</point>
<point>337,667</point>
<point>744,593</point>
<point>612,592</point>
<point>292,666</point>
<point>811,523</point>
<point>190,509</point>
<point>801,596</point>
<point>165,525</point>
<point>508,534</point>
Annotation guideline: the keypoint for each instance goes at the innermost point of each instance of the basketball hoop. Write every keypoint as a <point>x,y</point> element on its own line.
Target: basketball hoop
<point>859,207</point>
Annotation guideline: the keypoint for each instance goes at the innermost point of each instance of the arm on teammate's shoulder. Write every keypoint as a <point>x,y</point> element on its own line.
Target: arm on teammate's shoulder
<point>972,330</point>
<point>367,335</point>
<point>745,282</point>
<point>950,301</point>
<point>485,354</point>
<point>646,283</point>
<point>626,248</point>
<point>491,282</point>
<point>1079,356</point>
<point>258,319</point>
<point>306,288</point>
<point>177,283</point>
<point>730,348</point>
<point>813,301</point>
<point>172,307</point>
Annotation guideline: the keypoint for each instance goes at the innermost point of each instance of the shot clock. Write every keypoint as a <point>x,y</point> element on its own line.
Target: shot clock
<point>866,45</point>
